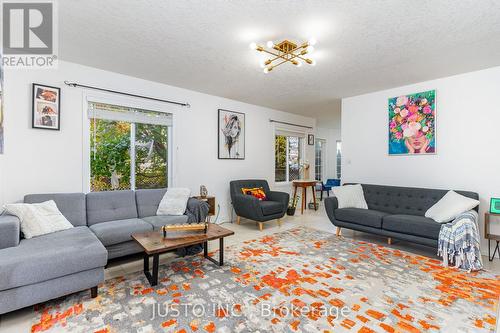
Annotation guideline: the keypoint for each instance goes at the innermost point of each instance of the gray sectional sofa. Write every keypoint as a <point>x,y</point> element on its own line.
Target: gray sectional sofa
<point>53,265</point>
<point>395,212</point>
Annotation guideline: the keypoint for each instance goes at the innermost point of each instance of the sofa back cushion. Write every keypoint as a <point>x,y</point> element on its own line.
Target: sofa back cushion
<point>148,201</point>
<point>110,206</point>
<point>405,200</point>
<point>71,205</point>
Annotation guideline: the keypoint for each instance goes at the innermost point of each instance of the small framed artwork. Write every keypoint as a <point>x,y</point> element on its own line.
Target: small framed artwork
<point>495,205</point>
<point>46,109</point>
<point>310,139</point>
<point>231,135</point>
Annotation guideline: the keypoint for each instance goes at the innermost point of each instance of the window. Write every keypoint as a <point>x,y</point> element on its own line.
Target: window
<point>128,148</point>
<point>319,158</point>
<point>339,159</point>
<point>288,157</point>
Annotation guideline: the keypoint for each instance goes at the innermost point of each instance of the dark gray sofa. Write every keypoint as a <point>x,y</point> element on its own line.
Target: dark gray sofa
<point>395,212</point>
<point>53,265</point>
<point>252,208</point>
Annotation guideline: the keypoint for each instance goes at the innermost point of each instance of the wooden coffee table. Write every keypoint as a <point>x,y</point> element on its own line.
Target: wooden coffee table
<point>154,244</point>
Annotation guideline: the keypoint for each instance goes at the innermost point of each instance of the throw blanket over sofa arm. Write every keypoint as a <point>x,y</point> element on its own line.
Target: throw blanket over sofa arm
<point>10,231</point>
<point>282,197</point>
<point>247,206</point>
<point>331,203</point>
<point>196,210</point>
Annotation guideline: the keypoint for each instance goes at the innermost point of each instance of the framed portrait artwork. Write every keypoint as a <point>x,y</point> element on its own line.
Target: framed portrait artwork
<point>46,109</point>
<point>412,124</point>
<point>231,135</point>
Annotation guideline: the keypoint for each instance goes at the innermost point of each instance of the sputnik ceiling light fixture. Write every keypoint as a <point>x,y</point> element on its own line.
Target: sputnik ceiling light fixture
<point>285,51</point>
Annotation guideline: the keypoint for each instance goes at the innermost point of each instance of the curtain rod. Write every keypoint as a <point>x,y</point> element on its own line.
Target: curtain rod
<point>285,123</point>
<point>74,84</point>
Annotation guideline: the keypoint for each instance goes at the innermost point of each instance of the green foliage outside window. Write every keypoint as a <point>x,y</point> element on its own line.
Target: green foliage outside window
<point>110,151</point>
<point>110,164</point>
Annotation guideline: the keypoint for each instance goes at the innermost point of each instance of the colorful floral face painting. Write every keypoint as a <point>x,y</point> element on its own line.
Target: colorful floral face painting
<point>412,124</point>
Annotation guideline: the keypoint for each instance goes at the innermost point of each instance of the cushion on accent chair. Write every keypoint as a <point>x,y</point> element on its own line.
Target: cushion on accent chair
<point>257,192</point>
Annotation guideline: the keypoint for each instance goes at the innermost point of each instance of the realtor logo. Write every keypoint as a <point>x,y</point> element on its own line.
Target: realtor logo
<point>28,34</point>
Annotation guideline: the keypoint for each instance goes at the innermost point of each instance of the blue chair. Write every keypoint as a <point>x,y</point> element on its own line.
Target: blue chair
<point>328,186</point>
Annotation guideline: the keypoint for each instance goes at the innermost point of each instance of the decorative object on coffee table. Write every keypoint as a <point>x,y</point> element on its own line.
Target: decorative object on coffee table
<point>491,237</point>
<point>304,184</point>
<point>184,227</point>
<point>154,244</point>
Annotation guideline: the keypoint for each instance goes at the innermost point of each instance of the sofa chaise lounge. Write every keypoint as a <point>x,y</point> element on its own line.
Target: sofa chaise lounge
<point>395,212</point>
<point>46,267</point>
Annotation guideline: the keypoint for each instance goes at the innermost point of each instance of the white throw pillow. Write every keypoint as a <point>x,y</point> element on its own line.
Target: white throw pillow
<point>450,206</point>
<point>350,196</point>
<point>39,218</point>
<point>174,201</point>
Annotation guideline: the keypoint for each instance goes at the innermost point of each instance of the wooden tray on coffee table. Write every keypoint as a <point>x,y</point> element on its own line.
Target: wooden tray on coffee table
<point>153,243</point>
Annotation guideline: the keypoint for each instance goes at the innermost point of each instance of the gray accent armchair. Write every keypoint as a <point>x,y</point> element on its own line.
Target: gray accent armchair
<point>249,207</point>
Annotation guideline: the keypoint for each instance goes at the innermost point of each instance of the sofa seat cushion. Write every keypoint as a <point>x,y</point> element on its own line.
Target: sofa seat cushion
<point>367,217</point>
<point>51,256</point>
<point>119,231</point>
<point>159,221</point>
<point>412,225</point>
<point>271,207</point>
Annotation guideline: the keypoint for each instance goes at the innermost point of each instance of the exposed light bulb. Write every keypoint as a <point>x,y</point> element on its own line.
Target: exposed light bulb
<point>270,44</point>
<point>310,49</point>
<point>262,64</point>
<point>253,46</point>
<point>266,70</point>
<point>312,41</point>
<point>313,62</point>
<point>299,64</point>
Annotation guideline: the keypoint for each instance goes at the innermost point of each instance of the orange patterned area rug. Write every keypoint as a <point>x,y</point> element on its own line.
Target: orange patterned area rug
<point>301,280</point>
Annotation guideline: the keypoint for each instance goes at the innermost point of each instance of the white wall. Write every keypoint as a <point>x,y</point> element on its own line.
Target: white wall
<point>467,135</point>
<point>42,161</point>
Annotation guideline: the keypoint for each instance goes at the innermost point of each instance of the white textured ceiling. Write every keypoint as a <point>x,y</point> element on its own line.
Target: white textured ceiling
<point>362,46</point>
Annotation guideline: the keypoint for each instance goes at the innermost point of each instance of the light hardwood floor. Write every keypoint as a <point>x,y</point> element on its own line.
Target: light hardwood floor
<point>19,321</point>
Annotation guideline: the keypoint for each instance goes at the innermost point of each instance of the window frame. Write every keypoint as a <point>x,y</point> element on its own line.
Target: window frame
<point>124,101</point>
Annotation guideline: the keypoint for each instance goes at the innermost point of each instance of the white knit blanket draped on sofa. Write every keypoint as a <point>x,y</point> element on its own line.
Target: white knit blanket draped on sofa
<point>459,242</point>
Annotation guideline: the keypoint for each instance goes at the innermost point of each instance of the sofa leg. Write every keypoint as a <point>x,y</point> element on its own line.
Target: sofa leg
<point>389,241</point>
<point>238,219</point>
<point>93,292</point>
<point>261,226</point>
<point>279,222</point>
<point>339,231</point>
